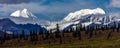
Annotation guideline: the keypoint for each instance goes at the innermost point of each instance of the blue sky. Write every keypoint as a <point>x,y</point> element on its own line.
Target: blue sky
<point>57,9</point>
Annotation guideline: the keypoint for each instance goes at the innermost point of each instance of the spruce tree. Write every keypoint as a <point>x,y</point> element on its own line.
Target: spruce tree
<point>57,31</point>
<point>33,35</point>
<point>79,31</point>
<point>117,29</point>
<point>79,34</point>
<point>13,35</point>
<point>31,38</point>
<point>36,35</point>
<point>4,37</point>
<point>23,35</point>
<point>91,32</point>
<point>40,31</point>
<point>60,40</point>
<point>75,33</point>
<point>109,35</point>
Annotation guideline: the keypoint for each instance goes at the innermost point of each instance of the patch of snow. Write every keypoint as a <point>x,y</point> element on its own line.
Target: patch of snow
<point>16,13</point>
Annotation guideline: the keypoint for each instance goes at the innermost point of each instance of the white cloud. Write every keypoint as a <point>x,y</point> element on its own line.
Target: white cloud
<point>9,8</point>
<point>115,3</point>
<point>115,15</point>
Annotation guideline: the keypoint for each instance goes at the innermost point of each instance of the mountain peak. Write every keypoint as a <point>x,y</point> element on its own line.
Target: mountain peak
<point>16,13</point>
<point>23,13</point>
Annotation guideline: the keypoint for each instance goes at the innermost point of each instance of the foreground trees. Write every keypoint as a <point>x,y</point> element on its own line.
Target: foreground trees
<point>56,35</point>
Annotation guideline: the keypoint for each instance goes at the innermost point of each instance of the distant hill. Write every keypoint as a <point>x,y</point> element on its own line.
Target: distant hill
<point>8,25</point>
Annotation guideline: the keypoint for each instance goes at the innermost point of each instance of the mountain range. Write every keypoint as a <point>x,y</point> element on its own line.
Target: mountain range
<point>9,26</point>
<point>85,17</point>
<point>25,20</point>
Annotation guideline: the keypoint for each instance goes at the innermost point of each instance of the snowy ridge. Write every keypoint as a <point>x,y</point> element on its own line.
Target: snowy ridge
<point>78,14</point>
<point>85,17</point>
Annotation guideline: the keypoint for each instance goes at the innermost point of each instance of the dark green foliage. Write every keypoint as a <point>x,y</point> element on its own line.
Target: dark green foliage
<point>63,35</point>
<point>74,34</point>
<point>4,38</point>
<point>23,35</point>
<point>13,35</point>
<point>86,32</point>
<point>47,35</point>
<point>79,35</point>
<point>71,29</point>
<point>60,40</point>
<point>117,29</point>
<point>90,32</point>
<point>1,40</point>
<point>57,33</point>
<point>31,35</point>
<point>34,36</point>
<point>51,34</point>
<point>40,31</point>
<point>109,35</point>
<point>77,32</point>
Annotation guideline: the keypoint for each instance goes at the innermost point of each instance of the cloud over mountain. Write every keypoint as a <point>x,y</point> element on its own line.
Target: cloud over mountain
<point>115,3</point>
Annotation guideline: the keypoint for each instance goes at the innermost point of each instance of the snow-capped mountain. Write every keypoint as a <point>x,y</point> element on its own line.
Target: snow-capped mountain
<point>23,13</point>
<point>85,17</point>
<point>82,14</point>
<point>25,16</point>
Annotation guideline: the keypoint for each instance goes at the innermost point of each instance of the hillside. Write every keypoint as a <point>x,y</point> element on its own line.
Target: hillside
<point>97,38</point>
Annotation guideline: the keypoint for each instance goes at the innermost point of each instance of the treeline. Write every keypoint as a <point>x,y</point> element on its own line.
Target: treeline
<point>35,35</point>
